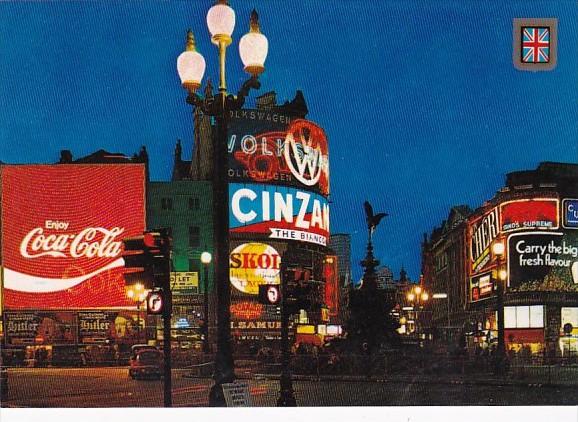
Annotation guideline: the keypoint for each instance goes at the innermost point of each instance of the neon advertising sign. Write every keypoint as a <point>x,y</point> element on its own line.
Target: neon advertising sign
<point>272,150</point>
<point>279,213</point>
<point>62,238</point>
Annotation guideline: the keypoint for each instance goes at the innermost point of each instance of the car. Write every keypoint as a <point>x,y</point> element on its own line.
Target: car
<point>147,362</point>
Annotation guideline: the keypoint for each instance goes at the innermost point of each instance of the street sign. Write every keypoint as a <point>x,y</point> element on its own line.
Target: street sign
<point>237,394</point>
<point>155,302</point>
<point>269,294</point>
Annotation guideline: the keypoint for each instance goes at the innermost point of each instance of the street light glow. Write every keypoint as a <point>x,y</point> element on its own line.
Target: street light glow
<point>221,22</point>
<point>206,258</point>
<point>191,65</point>
<point>253,47</point>
<point>498,248</point>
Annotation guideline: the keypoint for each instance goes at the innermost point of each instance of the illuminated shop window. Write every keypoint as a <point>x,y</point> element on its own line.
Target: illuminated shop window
<point>569,316</point>
<point>537,316</point>
<point>524,316</point>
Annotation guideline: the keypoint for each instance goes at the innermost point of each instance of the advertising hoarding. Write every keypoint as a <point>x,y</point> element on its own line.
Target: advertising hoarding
<point>543,261</point>
<point>252,264</point>
<point>330,274</point>
<point>482,232</point>
<point>481,287</point>
<point>570,213</point>
<point>267,147</point>
<point>183,282</point>
<point>116,326</point>
<point>524,214</point>
<point>62,233</point>
<point>277,212</point>
<point>35,328</point>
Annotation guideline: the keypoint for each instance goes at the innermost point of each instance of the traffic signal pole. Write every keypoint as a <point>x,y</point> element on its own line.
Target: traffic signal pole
<point>286,394</point>
<point>167,312</point>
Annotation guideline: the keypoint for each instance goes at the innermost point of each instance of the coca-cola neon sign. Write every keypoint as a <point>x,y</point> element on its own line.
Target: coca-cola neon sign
<point>36,243</point>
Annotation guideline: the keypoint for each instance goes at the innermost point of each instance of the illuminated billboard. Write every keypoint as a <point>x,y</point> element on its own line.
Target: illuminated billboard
<point>482,232</point>
<point>330,274</point>
<point>524,214</point>
<point>253,264</point>
<point>266,147</point>
<point>570,213</point>
<point>543,261</point>
<point>481,287</point>
<point>277,212</point>
<point>62,231</point>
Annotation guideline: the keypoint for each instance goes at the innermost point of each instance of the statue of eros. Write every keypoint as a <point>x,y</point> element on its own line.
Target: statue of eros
<point>372,220</point>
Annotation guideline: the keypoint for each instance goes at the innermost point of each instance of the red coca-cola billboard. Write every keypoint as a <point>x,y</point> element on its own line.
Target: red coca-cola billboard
<point>62,231</point>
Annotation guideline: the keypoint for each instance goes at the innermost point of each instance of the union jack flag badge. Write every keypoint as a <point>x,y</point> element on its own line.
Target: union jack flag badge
<point>535,44</point>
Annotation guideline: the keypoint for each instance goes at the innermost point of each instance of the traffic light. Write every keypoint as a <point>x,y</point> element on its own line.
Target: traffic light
<point>148,258</point>
<point>297,289</point>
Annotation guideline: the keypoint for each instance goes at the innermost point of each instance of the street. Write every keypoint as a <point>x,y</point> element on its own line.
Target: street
<point>111,387</point>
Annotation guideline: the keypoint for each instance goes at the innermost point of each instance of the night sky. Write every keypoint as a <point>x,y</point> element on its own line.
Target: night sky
<point>420,101</point>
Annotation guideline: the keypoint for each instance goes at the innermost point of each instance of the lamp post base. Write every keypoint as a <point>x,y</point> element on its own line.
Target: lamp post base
<point>286,394</point>
<point>216,396</point>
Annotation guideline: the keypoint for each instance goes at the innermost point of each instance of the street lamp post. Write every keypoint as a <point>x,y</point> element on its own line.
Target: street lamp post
<point>498,251</point>
<point>137,293</point>
<point>419,296</point>
<point>206,260</point>
<point>253,48</point>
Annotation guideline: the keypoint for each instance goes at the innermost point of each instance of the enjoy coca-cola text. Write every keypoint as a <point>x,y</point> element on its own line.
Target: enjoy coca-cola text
<point>84,244</point>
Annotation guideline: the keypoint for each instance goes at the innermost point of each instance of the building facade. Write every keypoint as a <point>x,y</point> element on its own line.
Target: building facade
<point>63,290</point>
<point>185,208</point>
<point>535,216</point>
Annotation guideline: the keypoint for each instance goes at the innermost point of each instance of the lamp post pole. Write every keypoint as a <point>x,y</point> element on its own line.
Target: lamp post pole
<point>253,48</point>
<point>206,260</point>
<point>498,251</point>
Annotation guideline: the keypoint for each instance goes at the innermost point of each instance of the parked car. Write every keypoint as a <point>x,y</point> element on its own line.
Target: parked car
<point>147,362</point>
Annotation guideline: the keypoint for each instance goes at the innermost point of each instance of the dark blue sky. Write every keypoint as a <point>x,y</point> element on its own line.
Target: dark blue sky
<point>420,101</point>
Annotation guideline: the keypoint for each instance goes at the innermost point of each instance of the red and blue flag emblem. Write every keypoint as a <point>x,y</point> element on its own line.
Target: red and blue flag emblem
<point>535,44</point>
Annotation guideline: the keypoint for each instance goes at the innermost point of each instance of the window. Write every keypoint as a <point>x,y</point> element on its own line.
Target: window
<point>194,265</point>
<point>194,203</point>
<point>194,237</point>
<point>167,203</point>
<point>524,316</point>
<point>569,315</point>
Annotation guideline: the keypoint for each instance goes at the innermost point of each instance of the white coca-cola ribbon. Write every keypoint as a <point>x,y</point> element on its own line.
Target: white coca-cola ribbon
<point>27,283</point>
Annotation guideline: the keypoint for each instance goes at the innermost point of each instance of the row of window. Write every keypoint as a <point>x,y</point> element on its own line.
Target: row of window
<point>533,316</point>
<point>193,202</point>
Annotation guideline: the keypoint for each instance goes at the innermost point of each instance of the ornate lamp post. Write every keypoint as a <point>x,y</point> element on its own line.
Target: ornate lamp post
<point>253,48</point>
<point>137,293</point>
<point>206,260</point>
<point>418,295</point>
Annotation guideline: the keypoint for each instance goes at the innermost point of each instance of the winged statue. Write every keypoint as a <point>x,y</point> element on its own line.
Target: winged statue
<point>372,220</point>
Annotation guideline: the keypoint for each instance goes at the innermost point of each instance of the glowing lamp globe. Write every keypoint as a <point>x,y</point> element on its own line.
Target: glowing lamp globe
<point>221,22</point>
<point>206,258</point>
<point>253,47</point>
<point>191,66</point>
<point>498,248</point>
